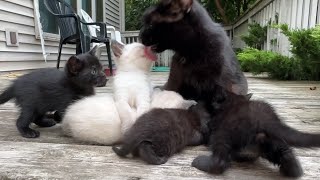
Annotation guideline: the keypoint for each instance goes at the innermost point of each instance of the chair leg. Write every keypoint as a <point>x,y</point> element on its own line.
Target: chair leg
<point>59,55</point>
<point>109,58</point>
<point>78,49</point>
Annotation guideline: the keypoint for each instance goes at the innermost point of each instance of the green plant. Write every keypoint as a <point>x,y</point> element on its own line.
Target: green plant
<point>133,13</point>
<point>256,37</point>
<point>276,65</point>
<point>305,46</point>
<point>254,60</point>
<point>285,68</point>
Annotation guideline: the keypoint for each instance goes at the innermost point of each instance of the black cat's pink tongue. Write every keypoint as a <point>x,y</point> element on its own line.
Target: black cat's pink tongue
<point>150,54</point>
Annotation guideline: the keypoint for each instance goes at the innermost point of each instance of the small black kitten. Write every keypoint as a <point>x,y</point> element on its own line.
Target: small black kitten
<point>160,133</point>
<point>238,123</point>
<point>50,89</point>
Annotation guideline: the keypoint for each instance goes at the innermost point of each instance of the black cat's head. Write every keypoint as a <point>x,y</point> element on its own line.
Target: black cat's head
<point>86,68</point>
<point>227,99</point>
<point>165,25</point>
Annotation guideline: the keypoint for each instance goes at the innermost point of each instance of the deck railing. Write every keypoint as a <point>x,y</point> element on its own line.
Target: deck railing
<point>164,59</point>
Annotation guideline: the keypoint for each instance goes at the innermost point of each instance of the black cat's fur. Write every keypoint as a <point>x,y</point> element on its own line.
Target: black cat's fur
<point>203,54</point>
<point>50,89</point>
<point>238,123</point>
<point>160,133</point>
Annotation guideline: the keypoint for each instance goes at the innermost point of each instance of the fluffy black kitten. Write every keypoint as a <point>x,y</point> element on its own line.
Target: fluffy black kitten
<point>203,54</point>
<point>53,90</point>
<point>160,133</point>
<point>238,123</point>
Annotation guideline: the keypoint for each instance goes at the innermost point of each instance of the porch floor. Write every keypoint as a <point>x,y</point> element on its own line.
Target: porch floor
<point>54,156</point>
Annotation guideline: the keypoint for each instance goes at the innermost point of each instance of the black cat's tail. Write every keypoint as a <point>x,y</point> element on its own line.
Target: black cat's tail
<point>128,146</point>
<point>294,137</point>
<point>145,150</point>
<point>6,95</point>
<point>148,154</point>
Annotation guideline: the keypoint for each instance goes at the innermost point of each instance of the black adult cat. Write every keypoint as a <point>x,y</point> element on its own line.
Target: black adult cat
<point>53,90</point>
<point>238,123</point>
<point>203,54</point>
<point>160,133</point>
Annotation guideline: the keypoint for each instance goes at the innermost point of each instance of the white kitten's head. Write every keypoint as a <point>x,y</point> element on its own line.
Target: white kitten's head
<point>169,99</point>
<point>133,56</point>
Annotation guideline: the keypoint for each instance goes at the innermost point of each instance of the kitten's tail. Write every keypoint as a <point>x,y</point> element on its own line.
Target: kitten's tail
<point>294,137</point>
<point>6,95</point>
<point>147,153</point>
<point>128,146</point>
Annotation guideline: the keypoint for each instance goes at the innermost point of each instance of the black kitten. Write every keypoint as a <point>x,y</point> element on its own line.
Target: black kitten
<point>160,133</point>
<point>203,54</point>
<point>53,90</point>
<point>238,123</point>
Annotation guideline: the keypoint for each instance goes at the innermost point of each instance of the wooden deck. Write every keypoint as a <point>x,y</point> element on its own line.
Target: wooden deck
<point>54,156</point>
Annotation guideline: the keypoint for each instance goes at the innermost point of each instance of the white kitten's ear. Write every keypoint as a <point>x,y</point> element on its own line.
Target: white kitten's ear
<point>187,103</point>
<point>117,48</point>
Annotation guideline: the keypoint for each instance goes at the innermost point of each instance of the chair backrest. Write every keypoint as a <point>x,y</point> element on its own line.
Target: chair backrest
<point>92,28</point>
<point>67,25</point>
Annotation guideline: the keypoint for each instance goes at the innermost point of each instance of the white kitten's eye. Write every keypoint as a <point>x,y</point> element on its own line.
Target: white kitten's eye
<point>94,71</point>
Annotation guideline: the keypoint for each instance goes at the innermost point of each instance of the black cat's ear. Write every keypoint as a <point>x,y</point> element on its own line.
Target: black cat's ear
<point>95,51</point>
<point>248,96</point>
<point>74,65</point>
<point>117,48</point>
<point>186,5</point>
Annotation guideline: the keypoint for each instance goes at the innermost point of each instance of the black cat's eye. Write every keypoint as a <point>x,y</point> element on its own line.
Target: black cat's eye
<point>94,71</point>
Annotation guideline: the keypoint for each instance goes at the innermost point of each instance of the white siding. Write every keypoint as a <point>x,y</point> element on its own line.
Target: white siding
<point>19,15</point>
<point>240,30</point>
<point>297,14</point>
<point>113,13</point>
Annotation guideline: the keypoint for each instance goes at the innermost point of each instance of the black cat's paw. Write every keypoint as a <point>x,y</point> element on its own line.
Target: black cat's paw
<point>45,122</point>
<point>57,117</point>
<point>210,164</point>
<point>202,163</point>
<point>30,133</point>
<point>290,166</point>
<point>119,151</point>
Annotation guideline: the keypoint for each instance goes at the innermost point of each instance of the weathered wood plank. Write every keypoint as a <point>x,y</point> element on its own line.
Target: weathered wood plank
<point>62,161</point>
<point>55,156</point>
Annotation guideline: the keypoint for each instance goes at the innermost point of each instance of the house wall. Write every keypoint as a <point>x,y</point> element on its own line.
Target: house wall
<point>113,13</point>
<point>19,15</point>
<point>298,14</point>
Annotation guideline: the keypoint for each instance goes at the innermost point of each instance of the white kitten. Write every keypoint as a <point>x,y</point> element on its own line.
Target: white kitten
<point>131,85</point>
<point>95,119</point>
<point>169,99</point>
<point>102,119</point>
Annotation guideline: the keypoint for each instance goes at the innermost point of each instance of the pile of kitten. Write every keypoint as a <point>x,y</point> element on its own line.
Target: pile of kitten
<point>205,100</point>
